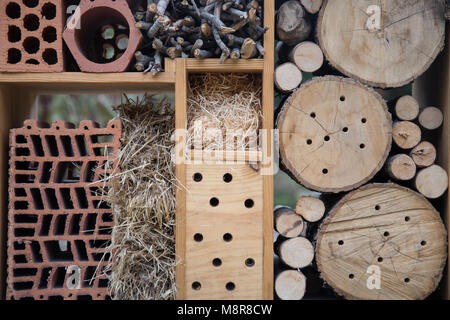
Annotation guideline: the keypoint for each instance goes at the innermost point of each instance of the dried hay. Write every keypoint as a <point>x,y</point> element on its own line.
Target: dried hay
<point>142,196</point>
<point>224,111</point>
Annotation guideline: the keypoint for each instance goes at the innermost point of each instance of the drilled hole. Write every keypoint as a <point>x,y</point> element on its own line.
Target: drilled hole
<point>386,234</point>
<point>406,280</point>
<point>49,11</point>
<point>230,286</point>
<point>32,61</point>
<point>214,202</point>
<point>217,262</point>
<point>313,115</point>
<point>363,120</point>
<point>249,262</point>
<point>198,237</point>
<point>326,138</point>
<point>197,177</point>
<point>351,276</point>
<point>362,145</point>
<point>196,285</point>
<point>14,34</point>
<point>423,243</point>
<point>31,3</point>
<point>325,171</point>
<point>227,177</point>
<point>31,22</point>
<point>227,237</point>
<point>49,34</point>
<point>345,129</point>
<point>14,56</point>
<point>31,45</point>
<point>342,98</point>
<point>13,10</point>
<point>249,203</point>
<point>407,219</point>
<point>380,259</point>
<point>50,56</point>
<point>341,242</point>
<point>309,141</point>
<point>377,207</point>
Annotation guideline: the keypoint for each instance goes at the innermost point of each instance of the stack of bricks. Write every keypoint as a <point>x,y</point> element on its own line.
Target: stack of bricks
<point>31,35</point>
<point>59,224</point>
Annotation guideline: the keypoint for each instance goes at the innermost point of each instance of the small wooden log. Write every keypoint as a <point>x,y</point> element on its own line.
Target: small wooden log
<point>287,77</point>
<point>386,45</point>
<point>122,42</point>
<point>406,134</point>
<point>310,208</point>
<point>312,6</point>
<point>401,167</point>
<point>385,228</point>
<point>432,182</point>
<point>248,49</point>
<point>292,23</point>
<point>108,32</point>
<point>290,285</point>
<point>108,51</point>
<point>424,154</point>
<point>307,56</point>
<point>407,108</point>
<point>287,222</point>
<point>326,149</point>
<point>431,118</point>
<point>296,252</point>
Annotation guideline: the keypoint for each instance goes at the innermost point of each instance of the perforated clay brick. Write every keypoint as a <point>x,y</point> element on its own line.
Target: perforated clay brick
<point>58,224</point>
<point>31,35</point>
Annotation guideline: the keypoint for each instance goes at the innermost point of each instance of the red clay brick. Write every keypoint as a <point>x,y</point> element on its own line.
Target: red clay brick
<point>31,35</point>
<point>57,218</point>
<point>94,15</point>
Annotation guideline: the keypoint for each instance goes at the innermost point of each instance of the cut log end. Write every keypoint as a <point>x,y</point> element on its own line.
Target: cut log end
<point>287,77</point>
<point>290,285</point>
<point>424,154</point>
<point>431,118</point>
<point>406,134</point>
<point>407,108</point>
<point>292,23</point>
<point>401,167</point>
<point>310,208</point>
<point>288,223</point>
<point>296,252</point>
<point>312,6</point>
<point>432,182</point>
<point>307,56</point>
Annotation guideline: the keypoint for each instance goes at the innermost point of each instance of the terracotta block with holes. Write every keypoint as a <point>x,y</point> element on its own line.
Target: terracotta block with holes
<point>31,35</point>
<point>58,224</point>
<point>93,15</point>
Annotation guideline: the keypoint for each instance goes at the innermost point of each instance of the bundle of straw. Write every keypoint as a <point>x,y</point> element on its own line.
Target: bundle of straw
<point>224,111</point>
<point>142,251</point>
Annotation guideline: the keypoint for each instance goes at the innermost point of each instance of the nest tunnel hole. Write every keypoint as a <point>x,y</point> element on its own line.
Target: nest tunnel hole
<point>45,275</point>
<point>14,56</point>
<point>37,198</point>
<point>31,22</point>
<point>56,252</point>
<point>48,11</point>
<point>13,10</point>
<point>31,45</point>
<point>31,3</point>
<point>14,34</point>
<point>50,56</point>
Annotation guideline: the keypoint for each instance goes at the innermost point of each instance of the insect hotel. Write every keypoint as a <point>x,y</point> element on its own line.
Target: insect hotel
<point>224,149</point>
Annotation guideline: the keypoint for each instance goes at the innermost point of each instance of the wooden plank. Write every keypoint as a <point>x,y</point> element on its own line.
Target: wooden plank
<point>180,171</point>
<point>213,65</point>
<point>218,267</point>
<point>268,98</point>
<point>227,155</point>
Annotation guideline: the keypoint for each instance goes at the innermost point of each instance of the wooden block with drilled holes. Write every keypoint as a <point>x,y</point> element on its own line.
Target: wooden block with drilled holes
<point>224,232</point>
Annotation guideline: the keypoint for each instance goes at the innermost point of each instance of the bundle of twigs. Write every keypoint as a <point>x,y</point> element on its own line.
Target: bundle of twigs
<point>142,196</point>
<point>207,29</point>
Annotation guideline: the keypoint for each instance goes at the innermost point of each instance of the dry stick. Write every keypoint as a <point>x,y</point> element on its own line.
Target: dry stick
<point>406,134</point>
<point>431,118</point>
<point>158,63</point>
<point>235,54</point>
<point>108,51</point>
<point>202,54</point>
<point>287,222</point>
<point>292,25</point>
<point>432,182</point>
<point>310,208</point>
<point>108,32</point>
<point>197,45</point>
<point>401,167</point>
<point>142,61</point>
<point>158,45</point>
<point>307,56</point>
<point>151,11</point>
<point>234,40</point>
<point>290,285</point>
<point>287,77</point>
<point>122,42</point>
<point>424,154</point>
<point>162,6</point>
<point>312,6</point>
<point>296,252</point>
<point>225,50</point>
<point>407,108</point>
<point>248,49</point>
<point>143,25</point>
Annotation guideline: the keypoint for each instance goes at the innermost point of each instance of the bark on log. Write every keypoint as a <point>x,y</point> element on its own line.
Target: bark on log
<point>312,6</point>
<point>307,56</point>
<point>407,108</point>
<point>287,222</point>
<point>290,285</point>
<point>432,182</point>
<point>415,34</point>
<point>401,167</point>
<point>406,134</point>
<point>386,228</point>
<point>296,252</point>
<point>287,77</point>
<point>335,134</point>
<point>310,208</point>
<point>431,118</point>
<point>424,154</point>
<point>293,25</point>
